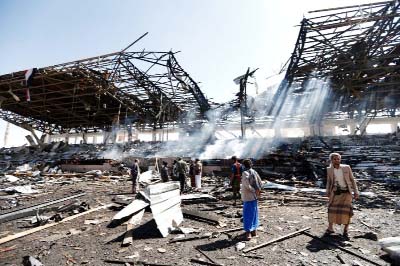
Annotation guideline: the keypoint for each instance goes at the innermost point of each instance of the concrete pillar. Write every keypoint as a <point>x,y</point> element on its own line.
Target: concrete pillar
<point>84,137</point>
<point>393,126</point>
<point>106,136</point>
<point>353,125</point>
<point>129,130</point>
<point>312,130</point>
<point>329,130</point>
<point>308,131</point>
<point>277,132</point>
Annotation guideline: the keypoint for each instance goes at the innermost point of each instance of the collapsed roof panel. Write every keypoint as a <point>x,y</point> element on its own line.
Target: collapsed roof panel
<point>358,49</point>
<point>147,88</point>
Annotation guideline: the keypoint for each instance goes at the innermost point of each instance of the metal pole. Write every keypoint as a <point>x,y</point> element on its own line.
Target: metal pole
<point>134,42</point>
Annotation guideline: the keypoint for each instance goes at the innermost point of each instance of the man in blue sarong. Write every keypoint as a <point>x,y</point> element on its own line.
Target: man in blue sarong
<point>251,188</point>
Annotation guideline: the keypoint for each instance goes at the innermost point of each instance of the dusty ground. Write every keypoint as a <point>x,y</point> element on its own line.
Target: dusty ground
<point>75,242</point>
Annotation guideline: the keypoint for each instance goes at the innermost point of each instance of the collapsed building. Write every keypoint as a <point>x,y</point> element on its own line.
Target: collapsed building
<point>100,113</point>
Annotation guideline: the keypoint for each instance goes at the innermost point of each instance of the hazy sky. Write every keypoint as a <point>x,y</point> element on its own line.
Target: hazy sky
<point>218,39</point>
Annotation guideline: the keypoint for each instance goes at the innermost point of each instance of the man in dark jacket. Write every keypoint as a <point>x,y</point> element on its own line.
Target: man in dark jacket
<point>182,169</point>
<point>135,172</point>
<point>164,171</point>
<point>236,173</point>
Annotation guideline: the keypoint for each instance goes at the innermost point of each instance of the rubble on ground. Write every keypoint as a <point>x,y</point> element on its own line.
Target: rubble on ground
<point>59,217</point>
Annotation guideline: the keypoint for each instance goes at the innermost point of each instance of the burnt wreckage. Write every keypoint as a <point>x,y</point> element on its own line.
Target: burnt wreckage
<point>147,89</point>
<point>353,50</point>
<point>356,50</point>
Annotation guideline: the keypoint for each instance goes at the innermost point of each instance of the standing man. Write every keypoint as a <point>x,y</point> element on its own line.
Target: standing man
<point>135,172</point>
<point>198,168</point>
<point>236,173</point>
<point>251,188</point>
<point>164,171</point>
<point>191,174</point>
<point>174,174</point>
<point>181,169</point>
<point>339,188</point>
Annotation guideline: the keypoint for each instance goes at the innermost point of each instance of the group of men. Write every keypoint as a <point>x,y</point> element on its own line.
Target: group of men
<point>180,171</point>
<point>341,188</point>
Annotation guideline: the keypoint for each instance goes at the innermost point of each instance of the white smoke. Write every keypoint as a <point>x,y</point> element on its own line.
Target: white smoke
<point>301,107</point>
<point>112,153</point>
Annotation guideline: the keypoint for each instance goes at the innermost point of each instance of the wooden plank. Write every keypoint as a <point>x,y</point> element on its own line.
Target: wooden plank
<point>128,237</point>
<point>132,208</point>
<point>33,209</point>
<point>276,240</point>
<point>212,219</point>
<point>135,220</point>
<point>188,239</point>
<point>36,229</point>
<point>159,188</point>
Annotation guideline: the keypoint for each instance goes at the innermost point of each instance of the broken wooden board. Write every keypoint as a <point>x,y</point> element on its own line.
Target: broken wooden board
<point>36,229</point>
<point>132,208</point>
<point>135,220</point>
<point>189,239</point>
<point>161,188</point>
<point>34,209</point>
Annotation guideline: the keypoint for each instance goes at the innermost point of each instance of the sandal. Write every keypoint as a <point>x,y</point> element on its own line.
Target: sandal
<point>328,232</point>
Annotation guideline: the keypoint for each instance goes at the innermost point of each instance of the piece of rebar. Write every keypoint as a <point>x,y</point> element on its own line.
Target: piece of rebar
<point>138,39</point>
<point>188,239</point>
